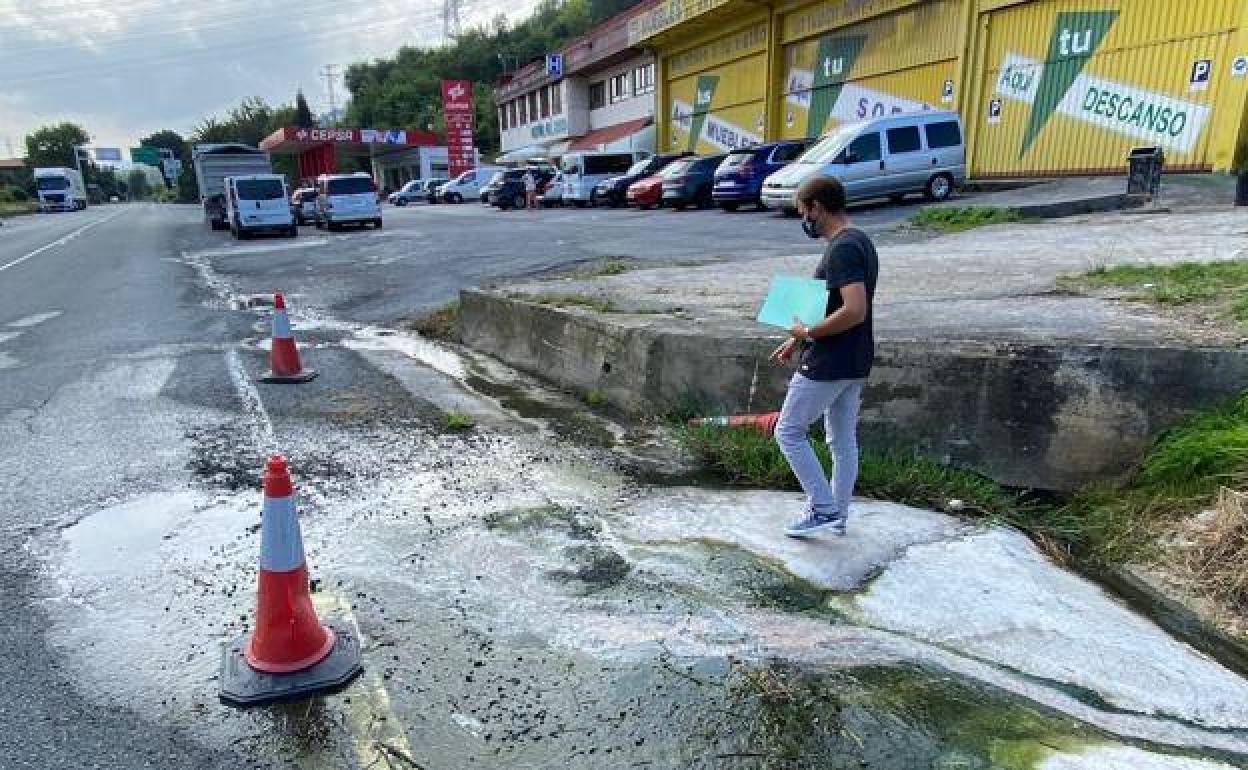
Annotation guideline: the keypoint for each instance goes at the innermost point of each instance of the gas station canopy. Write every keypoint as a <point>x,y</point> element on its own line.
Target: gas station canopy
<point>319,149</point>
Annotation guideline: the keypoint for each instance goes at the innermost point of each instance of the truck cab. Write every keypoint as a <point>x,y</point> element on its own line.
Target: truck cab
<point>60,189</point>
<point>258,203</point>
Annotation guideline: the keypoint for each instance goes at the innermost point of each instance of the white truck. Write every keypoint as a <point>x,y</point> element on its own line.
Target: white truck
<point>213,163</point>
<point>60,189</point>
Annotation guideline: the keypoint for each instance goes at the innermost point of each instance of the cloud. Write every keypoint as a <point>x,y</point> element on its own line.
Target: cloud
<point>126,68</point>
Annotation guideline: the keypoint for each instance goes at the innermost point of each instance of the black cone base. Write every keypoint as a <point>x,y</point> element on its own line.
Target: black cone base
<point>307,375</point>
<point>242,686</point>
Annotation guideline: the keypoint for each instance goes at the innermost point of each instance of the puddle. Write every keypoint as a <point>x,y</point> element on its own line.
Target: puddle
<point>428,353</point>
<point>257,248</point>
<point>8,361</point>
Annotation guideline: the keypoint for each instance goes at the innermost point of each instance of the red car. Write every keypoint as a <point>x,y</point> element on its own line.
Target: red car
<point>646,193</point>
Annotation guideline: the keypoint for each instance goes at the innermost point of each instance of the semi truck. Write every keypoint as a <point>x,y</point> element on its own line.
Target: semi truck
<point>60,189</point>
<point>213,163</point>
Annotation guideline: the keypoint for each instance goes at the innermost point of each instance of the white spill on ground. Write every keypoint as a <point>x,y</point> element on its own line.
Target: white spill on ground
<point>33,320</point>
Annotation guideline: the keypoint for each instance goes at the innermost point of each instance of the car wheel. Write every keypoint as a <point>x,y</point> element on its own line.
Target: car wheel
<point>790,212</point>
<point>938,188</point>
<point>331,226</point>
<point>519,201</point>
<point>729,205</point>
<point>454,198</point>
<point>400,202</point>
<point>377,223</point>
<point>704,199</point>
<point>644,206</point>
<point>292,231</point>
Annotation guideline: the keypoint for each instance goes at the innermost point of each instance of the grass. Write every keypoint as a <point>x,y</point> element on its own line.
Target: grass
<point>598,304</point>
<point>1181,284</point>
<point>441,324</point>
<point>596,398</point>
<point>956,219</point>
<point>607,266</point>
<point>18,209</point>
<point>1108,524</point>
<point>458,422</point>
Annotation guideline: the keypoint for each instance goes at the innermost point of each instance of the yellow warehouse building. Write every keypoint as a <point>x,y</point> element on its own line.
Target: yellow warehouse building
<point>1044,87</point>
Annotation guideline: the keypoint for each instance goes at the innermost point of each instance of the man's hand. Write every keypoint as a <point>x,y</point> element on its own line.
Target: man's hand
<point>784,353</point>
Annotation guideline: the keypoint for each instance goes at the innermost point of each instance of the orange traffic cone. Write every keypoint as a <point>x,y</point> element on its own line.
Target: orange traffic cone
<point>291,655</point>
<point>764,423</point>
<point>284,364</point>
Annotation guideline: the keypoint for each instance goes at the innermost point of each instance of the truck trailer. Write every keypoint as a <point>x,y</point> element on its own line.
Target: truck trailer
<point>213,163</point>
<point>60,189</point>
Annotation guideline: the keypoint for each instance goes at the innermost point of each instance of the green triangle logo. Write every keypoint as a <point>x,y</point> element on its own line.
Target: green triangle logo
<point>1076,37</point>
<point>705,92</point>
<point>833,62</point>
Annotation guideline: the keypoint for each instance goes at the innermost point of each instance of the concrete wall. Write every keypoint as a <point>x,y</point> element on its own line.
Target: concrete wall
<point>1028,416</point>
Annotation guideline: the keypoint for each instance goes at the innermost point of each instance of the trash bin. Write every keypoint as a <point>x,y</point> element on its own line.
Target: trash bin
<point>1144,166</point>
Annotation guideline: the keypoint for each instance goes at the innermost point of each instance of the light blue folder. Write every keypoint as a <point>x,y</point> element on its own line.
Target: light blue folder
<point>789,296</point>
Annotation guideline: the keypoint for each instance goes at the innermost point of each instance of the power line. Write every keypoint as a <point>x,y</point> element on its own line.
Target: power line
<point>330,77</point>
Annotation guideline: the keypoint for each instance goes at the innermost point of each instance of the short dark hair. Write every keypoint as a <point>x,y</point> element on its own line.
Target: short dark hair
<point>827,190</point>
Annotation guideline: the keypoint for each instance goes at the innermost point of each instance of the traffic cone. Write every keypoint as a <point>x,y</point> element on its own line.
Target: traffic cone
<point>290,655</point>
<point>764,423</point>
<point>284,364</point>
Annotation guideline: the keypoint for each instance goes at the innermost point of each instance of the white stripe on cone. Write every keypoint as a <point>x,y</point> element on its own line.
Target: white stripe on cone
<point>281,325</point>
<point>281,542</point>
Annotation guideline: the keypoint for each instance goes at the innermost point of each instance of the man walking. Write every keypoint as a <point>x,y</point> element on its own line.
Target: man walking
<point>836,357</point>
<point>530,189</point>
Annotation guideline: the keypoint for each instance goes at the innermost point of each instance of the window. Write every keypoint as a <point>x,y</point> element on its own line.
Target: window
<point>260,190</point>
<point>866,148</point>
<point>533,106</point>
<point>619,88</point>
<point>946,134</point>
<point>349,185</point>
<point>904,139</point>
<point>787,153</point>
<point>643,79</point>
<point>597,95</point>
<point>543,97</point>
<point>608,164</point>
<point>556,99</point>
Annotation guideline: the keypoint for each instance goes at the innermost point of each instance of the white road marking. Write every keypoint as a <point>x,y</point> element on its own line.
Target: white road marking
<point>250,397</point>
<point>60,241</point>
<point>33,320</point>
<point>7,361</point>
<point>6,336</point>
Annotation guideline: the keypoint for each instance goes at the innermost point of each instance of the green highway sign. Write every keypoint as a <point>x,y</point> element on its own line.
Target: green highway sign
<point>148,155</point>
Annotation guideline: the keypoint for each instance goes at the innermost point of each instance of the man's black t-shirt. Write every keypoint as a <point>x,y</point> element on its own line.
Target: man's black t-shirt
<point>850,258</point>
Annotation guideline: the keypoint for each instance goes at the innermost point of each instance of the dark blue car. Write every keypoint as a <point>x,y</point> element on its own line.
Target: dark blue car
<point>739,179</point>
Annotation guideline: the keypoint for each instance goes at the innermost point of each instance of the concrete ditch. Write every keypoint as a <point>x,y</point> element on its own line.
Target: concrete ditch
<point>1042,416</point>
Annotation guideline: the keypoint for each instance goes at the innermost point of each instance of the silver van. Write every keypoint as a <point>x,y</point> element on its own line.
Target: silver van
<point>915,152</point>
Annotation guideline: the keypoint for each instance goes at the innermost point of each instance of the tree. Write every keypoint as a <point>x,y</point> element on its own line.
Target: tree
<point>53,146</point>
<point>303,113</point>
<point>136,183</point>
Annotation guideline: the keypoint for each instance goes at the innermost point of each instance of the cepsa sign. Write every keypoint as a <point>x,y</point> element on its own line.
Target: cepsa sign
<point>460,126</point>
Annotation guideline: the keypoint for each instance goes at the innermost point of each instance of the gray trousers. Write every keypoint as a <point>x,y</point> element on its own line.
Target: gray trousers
<point>837,401</point>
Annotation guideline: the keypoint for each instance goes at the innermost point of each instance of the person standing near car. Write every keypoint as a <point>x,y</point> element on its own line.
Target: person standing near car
<point>530,189</point>
<point>836,355</point>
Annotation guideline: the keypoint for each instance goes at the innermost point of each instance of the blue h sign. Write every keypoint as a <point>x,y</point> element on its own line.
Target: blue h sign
<point>554,64</point>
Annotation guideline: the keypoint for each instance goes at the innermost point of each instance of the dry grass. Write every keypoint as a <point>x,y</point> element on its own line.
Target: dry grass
<point>441,324</point>
<point>1217,558</point>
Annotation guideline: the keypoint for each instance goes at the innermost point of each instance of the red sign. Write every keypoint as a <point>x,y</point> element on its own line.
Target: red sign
<point>460,126</point>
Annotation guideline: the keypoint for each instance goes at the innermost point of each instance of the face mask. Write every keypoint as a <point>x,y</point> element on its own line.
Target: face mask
<point>810,227</point>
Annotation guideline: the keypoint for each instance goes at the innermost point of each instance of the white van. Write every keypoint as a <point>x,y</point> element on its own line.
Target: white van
<point>582,171</point>
<point>916,152</point>
<point>467,186</point>
<point>258,203</point>
<point>346,199</point>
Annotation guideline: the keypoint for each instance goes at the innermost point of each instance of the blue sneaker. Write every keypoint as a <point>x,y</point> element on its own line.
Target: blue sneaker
<point>817,522</point>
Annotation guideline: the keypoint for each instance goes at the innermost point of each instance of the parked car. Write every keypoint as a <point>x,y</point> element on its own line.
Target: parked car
<point>511,193</point>
<point>582,171</point>
<point>492,186</point>
<point>919,152</point>
<point>467,186</point>
<point>739,179</point>
<point>553,195</point>
<point>613,191</point>
<point>690,181</point>
<point>429,190</point>
<point>647,193</point>
<point>411,192</point>
<point>346,199</point>
<point>303,205</point>
<point>258,203</point>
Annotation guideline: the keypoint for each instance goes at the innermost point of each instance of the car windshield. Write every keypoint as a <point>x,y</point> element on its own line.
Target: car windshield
<point>259,189</point>
<point>412,186</point>
<point>827,148</point>
<point>351,185</point>
<point>52,183</point>
<point>638,168</point>
<point>736,159</point>
<point>675,169</point>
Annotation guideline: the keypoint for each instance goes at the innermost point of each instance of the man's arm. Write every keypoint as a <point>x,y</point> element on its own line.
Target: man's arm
<point>852,312</point>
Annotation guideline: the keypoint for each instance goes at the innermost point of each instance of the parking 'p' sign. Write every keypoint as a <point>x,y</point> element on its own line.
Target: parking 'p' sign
<point>1202,70</point>
<point>1239,67</point>
<point>994,111</point>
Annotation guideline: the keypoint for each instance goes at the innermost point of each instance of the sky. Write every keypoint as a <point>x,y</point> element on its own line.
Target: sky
<point>124,69</point>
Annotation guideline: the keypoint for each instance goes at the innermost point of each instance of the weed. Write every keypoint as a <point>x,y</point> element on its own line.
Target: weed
<point>1217,561</point>
<point>598,304</point>
<point>458,422</point>
<point>596,398</point>
<point>1223,283</point>
<point>440,324</point>
<point>607,266</point>
<point>8,209</point>
<point>954,219</point>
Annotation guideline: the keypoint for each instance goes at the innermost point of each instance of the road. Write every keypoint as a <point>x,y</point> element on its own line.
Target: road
<point>532,592</point>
